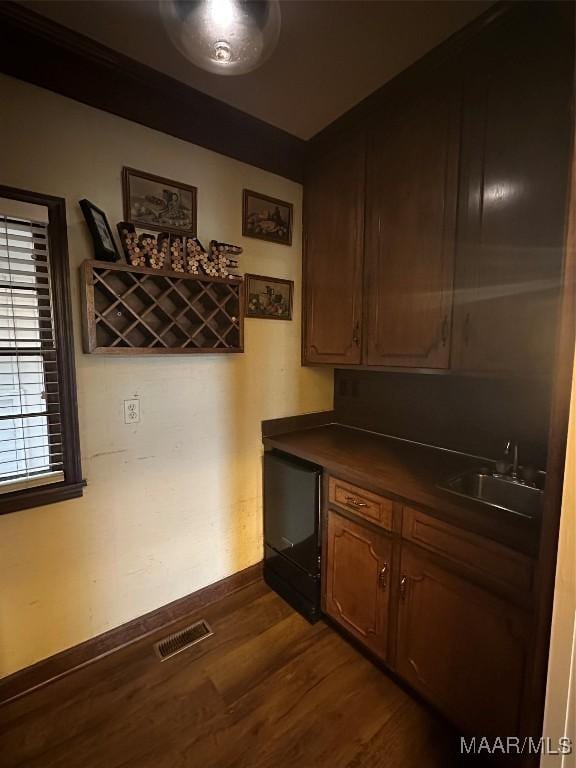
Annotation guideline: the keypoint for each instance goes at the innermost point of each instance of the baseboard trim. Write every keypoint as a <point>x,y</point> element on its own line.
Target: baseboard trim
<point>63,663</point>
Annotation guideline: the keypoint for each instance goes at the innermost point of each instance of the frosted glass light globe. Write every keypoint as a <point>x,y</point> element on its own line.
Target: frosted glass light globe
<point>227,37</point>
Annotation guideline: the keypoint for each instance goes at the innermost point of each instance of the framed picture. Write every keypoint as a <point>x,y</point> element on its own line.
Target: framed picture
<point>266,218</point>
<point>268,297</point>
<point>104,245</point>
<point>151,202</point>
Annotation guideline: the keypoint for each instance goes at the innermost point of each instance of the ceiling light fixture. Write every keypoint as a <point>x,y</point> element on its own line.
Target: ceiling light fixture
<point>227,37</point>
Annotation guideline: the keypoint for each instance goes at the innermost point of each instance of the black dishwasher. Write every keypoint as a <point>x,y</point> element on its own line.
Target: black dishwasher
<point>292,531</point>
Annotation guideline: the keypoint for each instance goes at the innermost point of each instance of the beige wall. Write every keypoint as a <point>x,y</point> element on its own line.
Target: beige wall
<point>174,503</point>
<point>560,717</point>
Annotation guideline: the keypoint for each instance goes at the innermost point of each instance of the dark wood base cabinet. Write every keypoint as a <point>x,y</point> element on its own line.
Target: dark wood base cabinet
<point>445,611</point>
<point>462,648</point>
<point>360,603</point>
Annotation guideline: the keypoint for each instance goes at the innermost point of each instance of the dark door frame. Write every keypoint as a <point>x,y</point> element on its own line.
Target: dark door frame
<point>557,443</point>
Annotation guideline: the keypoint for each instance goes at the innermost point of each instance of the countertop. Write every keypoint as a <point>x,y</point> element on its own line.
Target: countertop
<point>408,471</point>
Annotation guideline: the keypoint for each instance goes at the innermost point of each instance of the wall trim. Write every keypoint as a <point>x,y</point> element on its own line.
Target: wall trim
<point>39,51</point>
<point>63,663</point>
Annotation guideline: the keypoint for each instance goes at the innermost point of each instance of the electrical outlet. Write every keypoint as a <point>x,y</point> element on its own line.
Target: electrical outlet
<point>131,411</point>
<point>343,386</point>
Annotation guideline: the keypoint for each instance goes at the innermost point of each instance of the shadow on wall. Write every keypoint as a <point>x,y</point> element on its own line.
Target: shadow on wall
<point>463,413</point>
<point>267,383</point>
<point>173,503</point>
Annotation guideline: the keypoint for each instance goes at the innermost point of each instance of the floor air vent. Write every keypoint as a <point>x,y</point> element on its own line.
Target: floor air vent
<point>179,641</point>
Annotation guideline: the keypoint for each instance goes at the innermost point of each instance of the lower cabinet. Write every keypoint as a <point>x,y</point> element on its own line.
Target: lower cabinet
<point>358,581</point>
<point>460,646</point>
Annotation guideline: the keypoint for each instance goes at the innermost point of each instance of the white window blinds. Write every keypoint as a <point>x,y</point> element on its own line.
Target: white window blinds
<point>30,425</point>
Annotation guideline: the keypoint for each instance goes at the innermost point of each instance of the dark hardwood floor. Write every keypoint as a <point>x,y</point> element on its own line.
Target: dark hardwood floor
<point>266,690</point>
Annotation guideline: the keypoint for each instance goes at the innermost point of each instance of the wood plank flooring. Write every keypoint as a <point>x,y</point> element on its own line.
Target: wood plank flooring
<point>267,690</point>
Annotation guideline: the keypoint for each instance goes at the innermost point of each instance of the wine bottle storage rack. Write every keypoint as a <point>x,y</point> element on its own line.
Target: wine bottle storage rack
<point>137,310</point>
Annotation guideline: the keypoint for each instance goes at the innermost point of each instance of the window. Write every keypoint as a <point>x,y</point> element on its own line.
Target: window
<point>39,445</point>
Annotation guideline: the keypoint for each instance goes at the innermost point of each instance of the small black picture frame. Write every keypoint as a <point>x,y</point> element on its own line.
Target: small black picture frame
<point>104,245</point>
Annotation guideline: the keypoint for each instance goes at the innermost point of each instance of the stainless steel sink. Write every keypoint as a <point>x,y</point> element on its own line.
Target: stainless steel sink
<point>497,491</point>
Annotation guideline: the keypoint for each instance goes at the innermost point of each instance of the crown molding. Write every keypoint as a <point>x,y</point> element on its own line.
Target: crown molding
<point>44,53</point>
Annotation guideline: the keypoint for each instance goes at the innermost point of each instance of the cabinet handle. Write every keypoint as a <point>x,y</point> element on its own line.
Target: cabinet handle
<point>354,502</point>
<point>383,576</point>
<point>445,330</point>
<point>403,587</point>
<point>467,329</point>
<point>356,334</point>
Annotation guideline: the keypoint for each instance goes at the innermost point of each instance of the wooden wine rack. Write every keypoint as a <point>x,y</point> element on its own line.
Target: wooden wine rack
<point>142,311</point>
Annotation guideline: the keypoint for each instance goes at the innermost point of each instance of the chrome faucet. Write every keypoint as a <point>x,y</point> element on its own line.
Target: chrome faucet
<point>512,447</point>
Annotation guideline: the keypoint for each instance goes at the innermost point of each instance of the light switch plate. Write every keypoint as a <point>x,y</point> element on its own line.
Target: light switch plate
<point>131,411</point>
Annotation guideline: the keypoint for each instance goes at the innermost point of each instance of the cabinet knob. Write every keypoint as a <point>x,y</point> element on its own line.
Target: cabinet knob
<point>354,502</point>
<point>383,576</point>
<point>403,587</point>
<point>356,334</point>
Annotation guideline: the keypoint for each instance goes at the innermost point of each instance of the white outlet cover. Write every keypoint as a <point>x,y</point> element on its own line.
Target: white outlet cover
<point>131,411</point>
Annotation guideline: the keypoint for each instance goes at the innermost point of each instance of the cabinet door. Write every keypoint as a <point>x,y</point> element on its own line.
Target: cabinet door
<point>334,227</point>
<point>411,210</point>
<point>514,162</point>
<point>460,646</point>
<point>357,581</point>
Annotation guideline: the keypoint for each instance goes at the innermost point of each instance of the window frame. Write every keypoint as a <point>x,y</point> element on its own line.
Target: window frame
<point>72,485</point>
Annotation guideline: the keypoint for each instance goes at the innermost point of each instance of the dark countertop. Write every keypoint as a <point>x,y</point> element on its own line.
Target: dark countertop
<point>406,470</point>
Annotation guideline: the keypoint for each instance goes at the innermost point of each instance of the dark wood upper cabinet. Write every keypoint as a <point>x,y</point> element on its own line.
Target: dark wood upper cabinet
<point>358,581</point>
<point>517,89</point>
<point>467,158</point>
<point>461,647</point>
<point>410,223</point>
<point>334,242</point>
